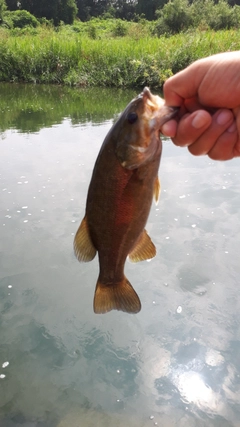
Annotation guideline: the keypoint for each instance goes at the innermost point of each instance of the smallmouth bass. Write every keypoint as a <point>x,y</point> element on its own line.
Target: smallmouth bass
<point>123,183</point>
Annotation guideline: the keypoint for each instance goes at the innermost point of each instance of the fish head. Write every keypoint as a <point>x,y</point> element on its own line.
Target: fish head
<point>137,131</point>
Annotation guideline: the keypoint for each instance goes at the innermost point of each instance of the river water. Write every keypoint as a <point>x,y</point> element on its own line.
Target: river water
<point>177,362</point>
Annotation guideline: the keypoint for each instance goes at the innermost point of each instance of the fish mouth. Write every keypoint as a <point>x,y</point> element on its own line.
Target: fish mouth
<point>163,115</point>
<point>161,112</point>
<point>168,113</point>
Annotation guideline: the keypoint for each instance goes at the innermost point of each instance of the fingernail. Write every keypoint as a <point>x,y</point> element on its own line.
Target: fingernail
<point>232,128</point>
<point>224,117</point>
<point>200,120</point>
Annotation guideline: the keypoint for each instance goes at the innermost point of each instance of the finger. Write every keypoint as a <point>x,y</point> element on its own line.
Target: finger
<point>182,85</point>
<point>236,150</point>
<point>221,121</point>
<point>225,146</point>
<point>169,128</point>
<point>193,104</point>
<point>191,127</point>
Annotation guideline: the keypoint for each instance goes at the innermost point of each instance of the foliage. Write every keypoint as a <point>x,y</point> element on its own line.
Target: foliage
<point>202,11</point>
<point>174,17</point>
<point>92,31</point>
<point>67,56</point>
<point>43,58</point>
<point>3,8</point>
<point>57,10</point>
<point>67,11</point>
<point>149,8</point>
<point>103,28</point>
<point>179,15</point>
<point>20,19</point>
<point>225,17</point>
<point>218,16</point>
<point>120,29</point>
<point>123,9</point>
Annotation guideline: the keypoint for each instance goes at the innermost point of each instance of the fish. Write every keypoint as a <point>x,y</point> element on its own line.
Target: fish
<point>123,184</point>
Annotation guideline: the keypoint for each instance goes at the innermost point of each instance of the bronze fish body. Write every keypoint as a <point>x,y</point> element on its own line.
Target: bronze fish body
<point>124,181</point>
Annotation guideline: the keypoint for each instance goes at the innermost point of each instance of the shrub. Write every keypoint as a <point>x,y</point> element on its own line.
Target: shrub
<point>174,17</point>
<point>92,31</point>
<point>218,16</point>
<point>46,22</point>
<point>21,19</point>
<point>3,8</point>
<point>202,12</point>
<point>179,15</point>
<point>120,29</point>
<point>224,17</point>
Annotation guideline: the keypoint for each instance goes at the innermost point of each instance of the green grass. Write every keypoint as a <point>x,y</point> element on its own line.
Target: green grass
<point>72,57</point>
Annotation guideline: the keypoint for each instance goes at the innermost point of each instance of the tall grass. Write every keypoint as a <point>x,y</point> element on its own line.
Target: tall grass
<point>73,58</point>
<point>44,57</point>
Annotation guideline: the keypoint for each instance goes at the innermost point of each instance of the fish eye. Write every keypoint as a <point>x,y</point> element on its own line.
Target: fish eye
<point>132,117</point>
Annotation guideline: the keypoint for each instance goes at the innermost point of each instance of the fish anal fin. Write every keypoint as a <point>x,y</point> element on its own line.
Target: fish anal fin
<point>83,246</point>
<point>117,296</point>
<point>157,190</point>
<point>143,249</point>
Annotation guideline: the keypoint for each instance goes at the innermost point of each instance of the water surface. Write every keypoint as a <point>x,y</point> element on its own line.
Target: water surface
<point>177,362</point>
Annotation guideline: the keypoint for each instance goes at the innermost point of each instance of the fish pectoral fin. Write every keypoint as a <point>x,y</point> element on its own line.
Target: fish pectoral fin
<point>143,249</point>
<point>117,296</point>
<point>83,246</point>
<point>157,190</point>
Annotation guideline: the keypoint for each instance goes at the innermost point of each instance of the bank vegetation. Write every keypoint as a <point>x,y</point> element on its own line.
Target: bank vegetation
<point>106,51</point>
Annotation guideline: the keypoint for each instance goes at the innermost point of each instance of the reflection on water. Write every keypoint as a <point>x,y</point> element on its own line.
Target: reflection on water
<point>29,108</point>
<point>176,363</point>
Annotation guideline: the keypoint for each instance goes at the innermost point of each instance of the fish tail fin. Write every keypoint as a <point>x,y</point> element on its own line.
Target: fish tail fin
<point>117,296</point>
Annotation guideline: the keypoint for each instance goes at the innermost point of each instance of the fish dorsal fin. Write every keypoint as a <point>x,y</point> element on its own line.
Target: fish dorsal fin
<point>116,296</point>
<point>143,249</point>
<point>83,246</point>
<point>157,189</point>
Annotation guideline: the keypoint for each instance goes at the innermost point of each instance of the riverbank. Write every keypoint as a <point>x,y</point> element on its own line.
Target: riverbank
<point>79,59</point>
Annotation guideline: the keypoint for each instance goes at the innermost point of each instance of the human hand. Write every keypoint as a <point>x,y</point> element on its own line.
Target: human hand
<point>208,93</point>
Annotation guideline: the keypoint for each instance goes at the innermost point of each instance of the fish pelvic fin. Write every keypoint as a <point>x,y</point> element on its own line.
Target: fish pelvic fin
<point>157,190</point>
<point>83,246</point>
<point>118,296</point>
<point>143,249</point>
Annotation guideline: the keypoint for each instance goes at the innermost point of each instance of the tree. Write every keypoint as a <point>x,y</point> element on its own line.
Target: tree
<point>67,11</point>
<point>3,7</point>
<point>12,4</point>
<point>174,17</point>
<point>56,10</point>
<point>234,2</point>
<point>148,8</point>
<point>84,10</point>
<point>20,19</point>
<point>125,9</point>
